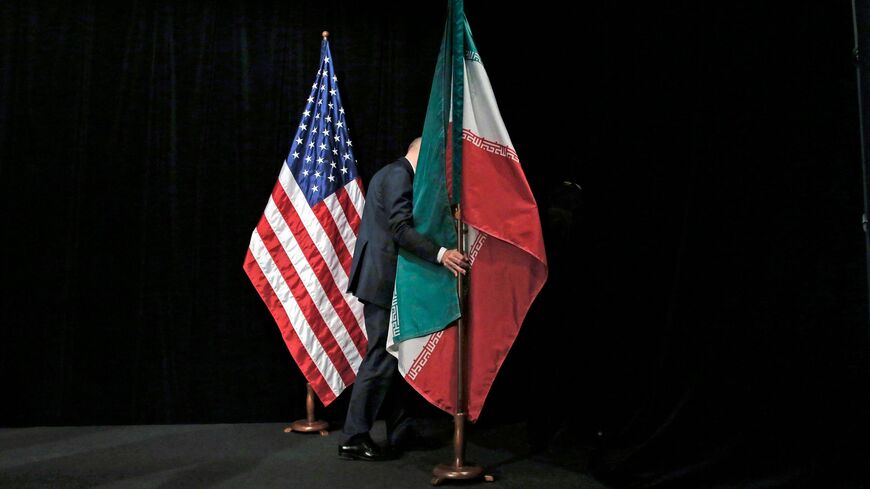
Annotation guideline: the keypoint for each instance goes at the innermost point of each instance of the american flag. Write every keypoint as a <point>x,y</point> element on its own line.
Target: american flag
<point>300,252</point>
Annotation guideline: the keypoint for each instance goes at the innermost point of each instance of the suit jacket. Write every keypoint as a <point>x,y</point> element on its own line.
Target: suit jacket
<point>387,224</point>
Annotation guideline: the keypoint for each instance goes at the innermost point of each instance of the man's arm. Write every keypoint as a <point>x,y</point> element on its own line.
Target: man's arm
<point>455,261</point>
<point>398,194</point>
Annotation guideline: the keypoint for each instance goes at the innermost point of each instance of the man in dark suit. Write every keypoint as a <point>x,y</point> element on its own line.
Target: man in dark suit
<point>387,225</point>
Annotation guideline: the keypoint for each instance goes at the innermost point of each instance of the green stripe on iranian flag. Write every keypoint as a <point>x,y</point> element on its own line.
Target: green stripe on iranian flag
<point>425,296</point>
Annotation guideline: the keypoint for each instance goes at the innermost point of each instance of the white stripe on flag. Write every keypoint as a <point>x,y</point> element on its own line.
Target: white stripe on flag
<point>312,225</point>
<point>341,221</point>
<point>294,313</point>
<point>309,280</point>
<point>350,241</point>
<point>486,123</point>
<point>356,196</point>
<point>321,239</point>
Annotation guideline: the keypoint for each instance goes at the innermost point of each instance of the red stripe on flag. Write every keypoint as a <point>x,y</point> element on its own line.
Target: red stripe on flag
<point>324,217</point>
<point>496,197</point>
<point>433,373</point>
<point>350,213</point>
<point>291,339</point>
<point>504,281</point>
<point>511,266</point>
<point>306,304</point>
<point>320,268</point>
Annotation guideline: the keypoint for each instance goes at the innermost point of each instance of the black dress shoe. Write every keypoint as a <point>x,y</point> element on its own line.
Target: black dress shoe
<point>364,449</point>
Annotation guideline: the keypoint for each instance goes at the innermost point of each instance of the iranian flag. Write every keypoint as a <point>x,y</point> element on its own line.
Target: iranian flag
<point>474,165</point>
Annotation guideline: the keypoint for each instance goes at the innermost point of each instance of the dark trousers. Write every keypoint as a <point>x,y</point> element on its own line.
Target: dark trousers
<point>378,371</point>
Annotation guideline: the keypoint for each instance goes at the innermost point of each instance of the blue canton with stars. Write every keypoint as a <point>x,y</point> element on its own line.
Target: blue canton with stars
<point>321,156</point>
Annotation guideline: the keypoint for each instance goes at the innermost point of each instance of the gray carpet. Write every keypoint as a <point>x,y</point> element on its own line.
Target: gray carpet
<point>241,456</point>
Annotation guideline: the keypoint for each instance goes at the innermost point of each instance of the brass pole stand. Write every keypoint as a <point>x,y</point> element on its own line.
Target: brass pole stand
<point>309,425</point>
<point>459,469</point>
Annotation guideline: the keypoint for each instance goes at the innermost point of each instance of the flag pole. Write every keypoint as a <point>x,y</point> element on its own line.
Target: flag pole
<point>459,469</point>
<point>863,110</point>
<point>309,424</point>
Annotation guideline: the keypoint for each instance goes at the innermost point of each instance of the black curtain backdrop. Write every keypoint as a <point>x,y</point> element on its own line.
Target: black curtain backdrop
<point>707,302</point>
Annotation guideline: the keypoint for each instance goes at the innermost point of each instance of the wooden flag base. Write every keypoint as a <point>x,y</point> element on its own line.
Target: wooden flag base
<point>305,426</point>
<point>459,469</point>
<point>309,424</point>
<point>443,472</point>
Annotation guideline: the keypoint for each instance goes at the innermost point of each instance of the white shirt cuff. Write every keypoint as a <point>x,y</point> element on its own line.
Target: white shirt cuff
<point>441,253</point>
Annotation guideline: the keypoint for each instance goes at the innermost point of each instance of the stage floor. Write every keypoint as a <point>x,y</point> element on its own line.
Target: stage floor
<point>256,455</point>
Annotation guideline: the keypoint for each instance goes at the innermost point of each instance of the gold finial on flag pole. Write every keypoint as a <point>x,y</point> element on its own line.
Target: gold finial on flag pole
<point>325,34</point>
